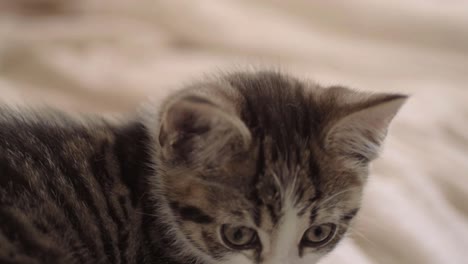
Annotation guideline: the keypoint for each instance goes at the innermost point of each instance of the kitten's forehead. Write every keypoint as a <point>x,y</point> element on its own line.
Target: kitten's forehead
<point>287,119</point>
<point>284,177</point>
<point>277,109</point>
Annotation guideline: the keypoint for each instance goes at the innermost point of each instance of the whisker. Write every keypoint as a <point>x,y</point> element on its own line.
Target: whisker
<point>361,235</point>
<point>278,182</point>
<point>334,196</point>
<point>373,223</point>
<point>292,188</point>
<point>154,215</point>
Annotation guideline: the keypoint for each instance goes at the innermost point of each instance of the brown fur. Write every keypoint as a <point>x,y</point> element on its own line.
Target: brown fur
<point>261,150</point>
<point>242,140</point>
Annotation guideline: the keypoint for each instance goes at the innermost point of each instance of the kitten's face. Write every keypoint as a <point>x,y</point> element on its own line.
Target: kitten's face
<point>265,169</point>
<point>273,212</point>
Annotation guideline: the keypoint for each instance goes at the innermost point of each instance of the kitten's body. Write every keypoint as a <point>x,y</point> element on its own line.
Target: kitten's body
<point>259,150</point>
<point>71,192</point>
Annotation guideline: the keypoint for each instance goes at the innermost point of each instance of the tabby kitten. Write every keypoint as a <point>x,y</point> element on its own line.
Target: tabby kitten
<point>247,168</point>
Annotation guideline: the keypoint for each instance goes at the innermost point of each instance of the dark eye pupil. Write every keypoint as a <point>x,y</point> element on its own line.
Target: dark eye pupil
<point>318,232</point>
<point>238,235</point>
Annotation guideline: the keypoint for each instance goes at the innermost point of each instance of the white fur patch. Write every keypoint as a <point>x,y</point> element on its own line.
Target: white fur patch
<point>285,248</point>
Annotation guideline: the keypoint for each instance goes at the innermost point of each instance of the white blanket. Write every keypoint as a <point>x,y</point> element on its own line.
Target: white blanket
<point>107,56</point>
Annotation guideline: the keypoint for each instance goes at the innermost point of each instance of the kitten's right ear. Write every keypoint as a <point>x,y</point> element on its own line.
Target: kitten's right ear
<point>194,129</point>
<point>361,133</point>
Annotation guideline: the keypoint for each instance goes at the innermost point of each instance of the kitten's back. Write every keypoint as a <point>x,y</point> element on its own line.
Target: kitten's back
<point>62,198</point>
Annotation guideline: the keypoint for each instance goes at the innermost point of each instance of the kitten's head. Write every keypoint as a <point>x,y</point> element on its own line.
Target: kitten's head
<point>264,168</point>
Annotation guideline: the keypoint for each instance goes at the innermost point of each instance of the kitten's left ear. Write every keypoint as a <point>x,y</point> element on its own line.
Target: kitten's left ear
<point>197,130</point>
<point>360,134</point>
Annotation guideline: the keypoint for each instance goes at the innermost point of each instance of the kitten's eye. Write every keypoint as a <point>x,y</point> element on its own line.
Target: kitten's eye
<point>239,237</point>
<point>319,235</point>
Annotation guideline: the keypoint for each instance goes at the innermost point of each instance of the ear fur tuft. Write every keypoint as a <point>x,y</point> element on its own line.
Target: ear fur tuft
<point>195,129</point>
<point>361,133</point>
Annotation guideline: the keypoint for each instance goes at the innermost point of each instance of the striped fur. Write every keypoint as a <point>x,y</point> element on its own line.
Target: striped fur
<point>261,149</point>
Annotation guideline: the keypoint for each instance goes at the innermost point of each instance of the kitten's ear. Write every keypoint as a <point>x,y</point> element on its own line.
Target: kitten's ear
<point>360,134</point>
<point>194,129</point>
